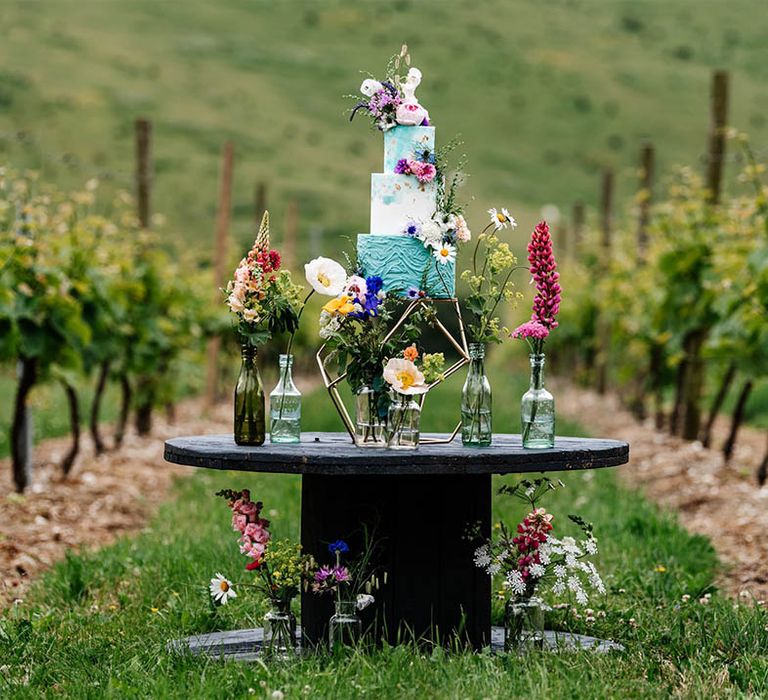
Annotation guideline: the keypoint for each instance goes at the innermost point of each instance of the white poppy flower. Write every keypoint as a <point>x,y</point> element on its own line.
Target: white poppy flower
<point>325,276</point>
<point>370,87</point>
<point>404,377</point>
<point>221,589</point>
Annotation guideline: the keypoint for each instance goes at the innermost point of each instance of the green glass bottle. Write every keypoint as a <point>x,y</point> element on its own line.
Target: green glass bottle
<point>250,409</point>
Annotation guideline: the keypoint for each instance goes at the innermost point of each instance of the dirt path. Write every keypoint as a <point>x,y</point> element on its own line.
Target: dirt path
<point>721,502</point>
<point>104,497</point>
<point>116,493</point>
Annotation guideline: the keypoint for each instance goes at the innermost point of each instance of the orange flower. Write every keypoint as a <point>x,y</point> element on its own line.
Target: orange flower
<point>411,353</point>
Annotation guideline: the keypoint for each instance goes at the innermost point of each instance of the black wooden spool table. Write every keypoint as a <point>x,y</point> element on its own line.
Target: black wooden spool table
<point>420,503</point>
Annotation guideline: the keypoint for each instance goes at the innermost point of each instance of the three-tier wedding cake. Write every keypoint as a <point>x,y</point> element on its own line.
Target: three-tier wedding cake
<point>415,228</point>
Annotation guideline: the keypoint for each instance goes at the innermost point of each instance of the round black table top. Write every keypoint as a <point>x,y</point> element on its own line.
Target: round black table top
<point>334,454</point>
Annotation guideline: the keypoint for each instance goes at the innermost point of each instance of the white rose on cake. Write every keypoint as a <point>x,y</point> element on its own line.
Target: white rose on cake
<point>431,234</point>
<point>411,114</point>
<point>370,87</point>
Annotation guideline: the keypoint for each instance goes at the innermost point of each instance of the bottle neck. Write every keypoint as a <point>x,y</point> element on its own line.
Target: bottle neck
<point>476,357</point>
<point>248,353</point>
<point>537,370</point>
<point>346,607</point>
<point>286,362</point>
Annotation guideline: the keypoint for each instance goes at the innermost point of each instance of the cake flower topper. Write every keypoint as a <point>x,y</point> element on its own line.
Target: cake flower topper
<point>393,101</point>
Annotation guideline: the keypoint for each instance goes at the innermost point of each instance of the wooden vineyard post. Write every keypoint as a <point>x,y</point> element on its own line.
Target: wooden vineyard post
<point>645,197</point>
<point>21,428</point>
<point>145,384</point>
<point>290,234</point>
<point>259,204</point>
<point>143,170</point>
<point>219,266</point>
<point>603,327</point>
<point>693,364</point>
<point>577,229</point>
<point>718,119</point>
<point>650,378</point>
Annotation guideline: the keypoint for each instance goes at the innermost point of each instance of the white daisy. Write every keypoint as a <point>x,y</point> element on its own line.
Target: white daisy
<point>445,254</point>
<point>501,219</point>
<point>221,589</point>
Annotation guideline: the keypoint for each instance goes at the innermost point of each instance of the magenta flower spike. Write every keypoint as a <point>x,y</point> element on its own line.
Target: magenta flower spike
<point>546,304</point>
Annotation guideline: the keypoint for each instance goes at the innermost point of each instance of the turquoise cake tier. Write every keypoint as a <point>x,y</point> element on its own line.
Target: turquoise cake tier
<point>402,262</point>
<point>406,142</point>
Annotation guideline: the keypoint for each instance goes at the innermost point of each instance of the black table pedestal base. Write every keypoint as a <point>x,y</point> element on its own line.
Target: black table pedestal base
<point>433,590</point>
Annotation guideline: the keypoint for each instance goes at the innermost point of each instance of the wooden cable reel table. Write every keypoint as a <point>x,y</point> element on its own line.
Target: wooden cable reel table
<point>420,503</point>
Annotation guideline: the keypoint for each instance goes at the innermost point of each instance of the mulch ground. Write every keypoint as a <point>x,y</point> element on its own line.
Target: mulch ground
<point>104,497</point>
<point>116,493</point>
<point>720,501</point>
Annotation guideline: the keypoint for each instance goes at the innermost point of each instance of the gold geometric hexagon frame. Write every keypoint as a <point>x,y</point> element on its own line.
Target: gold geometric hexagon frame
<point>460,345</point>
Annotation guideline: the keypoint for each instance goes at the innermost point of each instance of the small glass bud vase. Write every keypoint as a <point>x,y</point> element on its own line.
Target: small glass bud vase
<point>250,419</point>
<point>369,427</point>
<point>345,627</point>
<point>537,410</point>
<point>403,422</point>
<point>285,406</point>
<point>524,624</point>
<point>476,417</point>
<point>279,632</point>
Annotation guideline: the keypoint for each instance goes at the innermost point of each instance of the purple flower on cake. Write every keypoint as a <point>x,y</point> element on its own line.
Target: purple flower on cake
<point>412,293</point>
<point>403,167</point>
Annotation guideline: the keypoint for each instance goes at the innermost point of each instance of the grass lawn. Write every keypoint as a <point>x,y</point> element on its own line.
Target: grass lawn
<point>97,625</point>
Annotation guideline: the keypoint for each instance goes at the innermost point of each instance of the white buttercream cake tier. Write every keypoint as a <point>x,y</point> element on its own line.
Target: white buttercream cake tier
<point>397,200</point>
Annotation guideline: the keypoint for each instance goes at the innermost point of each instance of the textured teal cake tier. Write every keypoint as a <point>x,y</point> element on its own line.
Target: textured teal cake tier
<point>401,262</point>
<point>405,142</point>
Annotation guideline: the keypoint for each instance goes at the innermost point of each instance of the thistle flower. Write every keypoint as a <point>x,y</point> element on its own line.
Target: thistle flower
<point>546,304</point>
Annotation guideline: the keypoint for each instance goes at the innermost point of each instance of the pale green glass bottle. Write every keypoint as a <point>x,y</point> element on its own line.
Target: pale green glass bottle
<point>285,406</point>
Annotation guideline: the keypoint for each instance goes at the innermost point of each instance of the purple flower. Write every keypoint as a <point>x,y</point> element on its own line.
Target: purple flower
<point>338,546</point>
<point>341,574</point>
<point>412,229</point>
<point>323,574</point>
<point>403,167</point>
<point>413,293</point>
<point>546,303</point>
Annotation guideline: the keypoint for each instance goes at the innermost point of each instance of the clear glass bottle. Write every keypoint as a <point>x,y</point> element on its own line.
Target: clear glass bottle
<point>476,416</point>
<point>285,406</point>
<point>403,422</point>
<point>537,410</point>
<point>369,427</point>
<point>250,419</point>
<point>524,624</point>
<point>279,632</point>
<point>344,627</point>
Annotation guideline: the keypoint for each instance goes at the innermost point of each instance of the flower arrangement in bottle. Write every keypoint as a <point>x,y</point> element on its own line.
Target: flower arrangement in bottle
<point>264,301</point>
<point>351,582</point>
<point>409,380</point>
<point>538,405</point>
<point>280,567</point>
<point>531,562</point>
<point>355,327</point>
<point>489,279</point>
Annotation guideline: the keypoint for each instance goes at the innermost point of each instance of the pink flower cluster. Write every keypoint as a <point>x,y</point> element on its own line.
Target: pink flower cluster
<point>532,533</point>
<point>424,172</point>
<point>253,529</point>
<point>328,578</point>
<point>546,304</point>
<point>531,329</point>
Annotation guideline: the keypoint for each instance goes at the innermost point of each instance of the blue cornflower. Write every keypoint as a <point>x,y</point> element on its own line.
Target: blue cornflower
<point>412,293</point>
<point>412,229</point>
<point>374,284</point>
<point>339,546</point>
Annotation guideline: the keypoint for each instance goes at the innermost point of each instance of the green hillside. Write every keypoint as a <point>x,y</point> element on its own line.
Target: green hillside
<point>543,95</point>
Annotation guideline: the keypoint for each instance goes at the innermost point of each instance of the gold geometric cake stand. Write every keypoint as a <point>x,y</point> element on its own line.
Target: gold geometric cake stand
<point>460,345</point>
